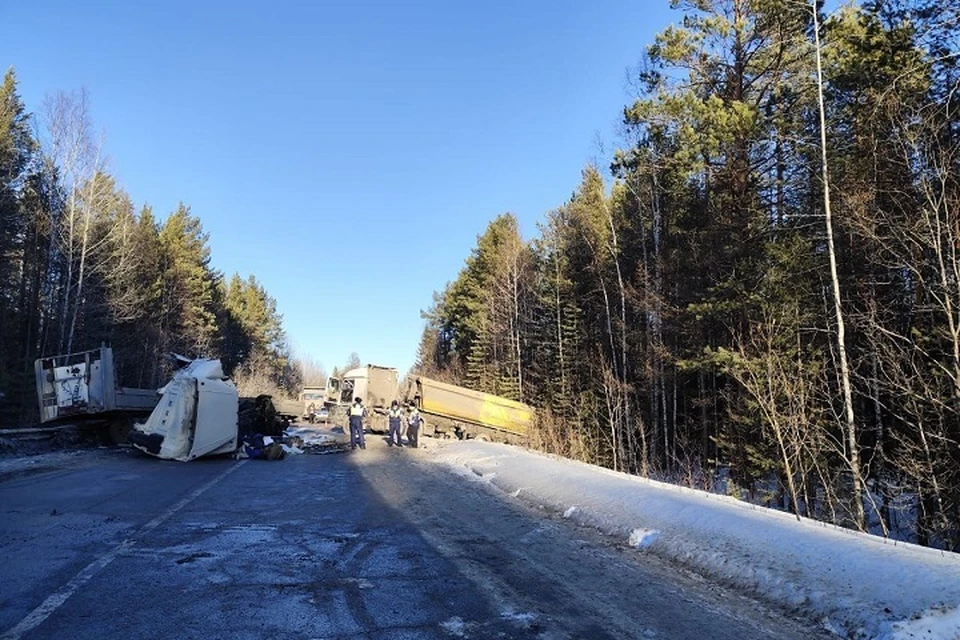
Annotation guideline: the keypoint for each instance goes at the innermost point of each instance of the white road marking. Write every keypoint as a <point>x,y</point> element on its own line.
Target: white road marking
<point>54,601</point>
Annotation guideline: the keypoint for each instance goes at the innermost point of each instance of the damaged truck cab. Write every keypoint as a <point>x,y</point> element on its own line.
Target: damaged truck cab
<point>196,415</point>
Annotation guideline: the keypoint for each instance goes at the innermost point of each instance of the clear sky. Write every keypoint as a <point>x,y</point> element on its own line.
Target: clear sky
<point>345,153</point>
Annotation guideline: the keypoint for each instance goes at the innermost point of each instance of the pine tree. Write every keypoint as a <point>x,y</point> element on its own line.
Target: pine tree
<point>189,323</point>
<point>18,151</point>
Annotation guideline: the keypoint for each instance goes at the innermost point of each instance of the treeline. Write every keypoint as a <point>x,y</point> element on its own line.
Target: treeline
<point>681,320</point>
<point>81,265</point>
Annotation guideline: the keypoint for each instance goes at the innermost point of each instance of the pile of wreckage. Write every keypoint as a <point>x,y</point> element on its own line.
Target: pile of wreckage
<point>200,413</point>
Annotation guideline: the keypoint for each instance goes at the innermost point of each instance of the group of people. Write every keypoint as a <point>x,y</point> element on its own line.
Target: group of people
<point>396,416</point>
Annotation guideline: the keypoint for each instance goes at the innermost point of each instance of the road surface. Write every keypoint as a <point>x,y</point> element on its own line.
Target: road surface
<point>380,544</point>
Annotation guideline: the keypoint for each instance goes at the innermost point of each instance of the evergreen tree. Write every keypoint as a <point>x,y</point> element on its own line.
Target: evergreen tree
<point>18,177</point>
<point>189,321</point>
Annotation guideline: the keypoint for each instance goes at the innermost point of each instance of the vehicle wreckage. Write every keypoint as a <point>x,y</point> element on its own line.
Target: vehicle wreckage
<point>197,415</point>
<point>199,412</point>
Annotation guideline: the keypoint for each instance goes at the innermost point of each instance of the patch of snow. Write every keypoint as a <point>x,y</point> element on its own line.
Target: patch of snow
<point>860,586</point>
<point>483,476</point>
<point>361,583</point>
<point>456,627</point>
<point>937,622</point>
<point>642,538</point>
<point>522,618</point>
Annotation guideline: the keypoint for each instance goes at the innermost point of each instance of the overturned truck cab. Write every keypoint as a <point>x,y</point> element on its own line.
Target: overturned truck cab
<point>196,415</point>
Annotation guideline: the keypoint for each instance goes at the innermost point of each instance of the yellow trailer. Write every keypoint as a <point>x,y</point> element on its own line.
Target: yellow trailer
<point>468,413</point>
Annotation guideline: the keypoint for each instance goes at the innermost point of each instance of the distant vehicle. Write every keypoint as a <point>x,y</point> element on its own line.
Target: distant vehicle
<point>313,404</point>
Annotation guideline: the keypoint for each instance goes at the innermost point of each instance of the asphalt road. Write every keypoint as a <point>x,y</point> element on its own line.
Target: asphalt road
<point>379,544</point>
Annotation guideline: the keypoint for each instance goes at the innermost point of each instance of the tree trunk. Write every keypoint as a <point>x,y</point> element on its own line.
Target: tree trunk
<point>853,454</point>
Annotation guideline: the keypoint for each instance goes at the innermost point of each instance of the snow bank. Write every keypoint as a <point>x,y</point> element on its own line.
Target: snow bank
<point>857,585</point>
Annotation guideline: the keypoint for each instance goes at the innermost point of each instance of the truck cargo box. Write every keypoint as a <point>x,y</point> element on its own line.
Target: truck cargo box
<point>84,384</point>
<point>461,404</point>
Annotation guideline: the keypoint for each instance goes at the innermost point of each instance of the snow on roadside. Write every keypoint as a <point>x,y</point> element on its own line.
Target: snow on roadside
<point>938,622</point>
<point>857,585</point>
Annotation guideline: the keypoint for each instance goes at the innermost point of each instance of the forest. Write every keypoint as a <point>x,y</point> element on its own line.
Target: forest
<point>81,265</point>
<point>760,294</point>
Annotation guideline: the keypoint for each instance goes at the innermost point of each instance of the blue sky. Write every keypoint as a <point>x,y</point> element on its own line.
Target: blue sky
<point>346,153</point>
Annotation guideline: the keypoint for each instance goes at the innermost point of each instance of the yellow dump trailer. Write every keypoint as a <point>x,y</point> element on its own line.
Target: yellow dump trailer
<point>469,413</point>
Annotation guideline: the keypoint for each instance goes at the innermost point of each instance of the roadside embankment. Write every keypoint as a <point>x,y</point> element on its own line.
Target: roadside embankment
<point>857,585</point>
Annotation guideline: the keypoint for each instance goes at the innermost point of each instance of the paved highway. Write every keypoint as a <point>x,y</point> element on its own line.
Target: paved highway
<point>380,544</point>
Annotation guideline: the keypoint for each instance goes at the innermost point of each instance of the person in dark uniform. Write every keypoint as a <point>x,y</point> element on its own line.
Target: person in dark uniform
<point>395,419</point>
<point>357,413</point>
<point>413,426</point>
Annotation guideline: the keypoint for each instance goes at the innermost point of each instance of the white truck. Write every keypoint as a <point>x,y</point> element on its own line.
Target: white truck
<point>196,415</point>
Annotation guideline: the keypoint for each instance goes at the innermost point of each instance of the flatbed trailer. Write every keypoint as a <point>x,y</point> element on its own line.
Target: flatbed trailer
<point>82,387</point>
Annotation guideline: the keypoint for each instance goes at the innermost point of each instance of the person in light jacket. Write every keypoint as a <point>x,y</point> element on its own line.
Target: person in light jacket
<point>395,419</point>
<point>413,426</point>
<point>357,413</point>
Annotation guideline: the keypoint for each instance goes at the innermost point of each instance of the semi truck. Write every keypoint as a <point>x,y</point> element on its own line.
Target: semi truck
<point>83,388</point>
<point>376,385</point>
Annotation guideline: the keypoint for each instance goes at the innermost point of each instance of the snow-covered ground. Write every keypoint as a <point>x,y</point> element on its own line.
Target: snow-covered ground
<point>857,585</point>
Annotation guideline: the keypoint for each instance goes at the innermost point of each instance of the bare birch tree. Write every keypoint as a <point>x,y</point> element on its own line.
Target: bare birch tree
<point>850,425</point>
<point>73,148</point>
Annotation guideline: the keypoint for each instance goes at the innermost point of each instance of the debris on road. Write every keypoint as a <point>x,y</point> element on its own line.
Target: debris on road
<point>261,447</point>
<point>295,440</point>
<point>319,438</point>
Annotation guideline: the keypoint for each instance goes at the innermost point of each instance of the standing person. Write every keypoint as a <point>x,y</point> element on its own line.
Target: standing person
<point>357,413</point>
<point>395,418</point>
<point>413,426</point>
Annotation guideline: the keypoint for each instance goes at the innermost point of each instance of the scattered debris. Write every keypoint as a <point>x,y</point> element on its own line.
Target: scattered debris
<point>261,447</point>
<point>317,439</point>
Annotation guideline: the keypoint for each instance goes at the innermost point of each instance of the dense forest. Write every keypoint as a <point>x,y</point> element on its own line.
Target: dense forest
<point>81,265</point>
<point>761,293</point>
